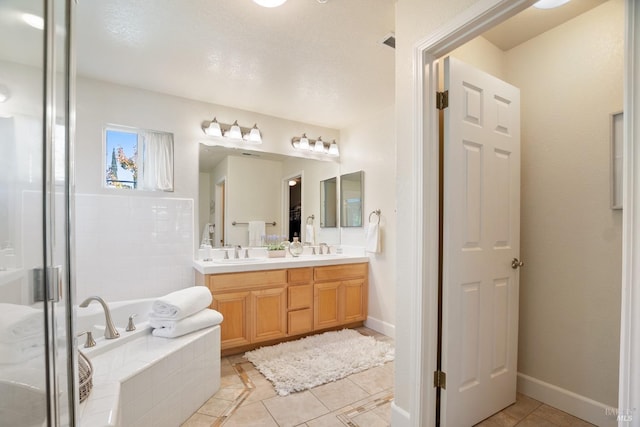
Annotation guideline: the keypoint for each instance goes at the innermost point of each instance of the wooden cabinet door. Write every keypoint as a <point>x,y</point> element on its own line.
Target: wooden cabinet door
<point>269,314</point>
<point>234,307</point>
<point>355,300</point>
<point>326,310</point>
<point>300,321</point>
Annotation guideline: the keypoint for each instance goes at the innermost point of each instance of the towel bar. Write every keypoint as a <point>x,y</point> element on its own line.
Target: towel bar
<point>273,223</point>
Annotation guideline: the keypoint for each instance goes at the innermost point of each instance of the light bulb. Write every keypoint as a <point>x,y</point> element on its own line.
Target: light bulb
<point>549,4</point>
<point>234,132</point>
<point>270,3</point>
<point>333,149</point>
<point>319,146</point>
<point>254,135</point>
<point>304,142</point>
<point>214,128</point>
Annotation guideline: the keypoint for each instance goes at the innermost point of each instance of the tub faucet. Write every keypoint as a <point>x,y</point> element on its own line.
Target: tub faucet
<point>110,331</point>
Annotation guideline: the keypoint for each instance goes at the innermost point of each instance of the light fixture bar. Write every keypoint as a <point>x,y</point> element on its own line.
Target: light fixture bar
<point>315,146</point>
<point>232,132</point>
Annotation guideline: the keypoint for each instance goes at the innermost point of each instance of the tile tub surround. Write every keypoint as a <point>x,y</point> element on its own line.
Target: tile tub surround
<point>152,381</point>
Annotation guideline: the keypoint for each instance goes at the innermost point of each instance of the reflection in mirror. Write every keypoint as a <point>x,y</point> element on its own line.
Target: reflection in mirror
<point>328,203</point>
<point>351,199</point>
<point>257,188</point>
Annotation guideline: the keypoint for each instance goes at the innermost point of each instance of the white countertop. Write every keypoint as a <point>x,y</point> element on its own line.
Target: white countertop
<point>256,264</point>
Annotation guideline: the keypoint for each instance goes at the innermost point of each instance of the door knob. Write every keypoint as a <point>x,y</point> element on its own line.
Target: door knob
<point>516,263</point>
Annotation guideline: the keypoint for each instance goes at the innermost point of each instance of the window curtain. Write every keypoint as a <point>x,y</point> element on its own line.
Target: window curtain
<point>157,168</point>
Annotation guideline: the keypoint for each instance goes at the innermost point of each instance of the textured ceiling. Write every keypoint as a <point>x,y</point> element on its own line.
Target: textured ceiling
<point>318,63</point>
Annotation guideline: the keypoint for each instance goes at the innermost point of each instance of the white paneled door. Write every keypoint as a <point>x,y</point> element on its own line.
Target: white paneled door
<point>481,238</point>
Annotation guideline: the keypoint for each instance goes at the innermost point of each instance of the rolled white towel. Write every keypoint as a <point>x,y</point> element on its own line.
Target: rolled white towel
<point>180,304</point>
<point>175,328</point>
<point>22,350</point>
<point>20,321</point>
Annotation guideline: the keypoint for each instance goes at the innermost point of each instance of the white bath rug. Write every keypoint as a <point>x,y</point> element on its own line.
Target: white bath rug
<point>318,359</point>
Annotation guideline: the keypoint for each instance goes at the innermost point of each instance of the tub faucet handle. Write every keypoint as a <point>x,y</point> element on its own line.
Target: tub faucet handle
<point>90,342</point>
<point>130,325</point>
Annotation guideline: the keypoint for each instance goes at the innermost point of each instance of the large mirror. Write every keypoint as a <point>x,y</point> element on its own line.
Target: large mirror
<point>351,192</point>
<point>238,187</point>
<point>329,203</point>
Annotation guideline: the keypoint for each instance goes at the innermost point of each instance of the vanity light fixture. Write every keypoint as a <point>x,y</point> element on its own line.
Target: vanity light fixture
<point>315,146</point>
<point>231,133</point>
<point>549,4</point>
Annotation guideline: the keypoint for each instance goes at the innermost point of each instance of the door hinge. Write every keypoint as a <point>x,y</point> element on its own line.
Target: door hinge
<point>442,100</point>
<point>439,379</point>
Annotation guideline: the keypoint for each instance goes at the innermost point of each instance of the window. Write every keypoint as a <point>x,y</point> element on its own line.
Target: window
<point>138,159</point>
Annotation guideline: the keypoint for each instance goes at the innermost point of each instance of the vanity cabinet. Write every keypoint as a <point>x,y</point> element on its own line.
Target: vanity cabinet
<point>272,305</point>
<point>340,295</point>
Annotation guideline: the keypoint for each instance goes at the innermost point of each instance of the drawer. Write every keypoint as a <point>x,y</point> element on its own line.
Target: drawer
<point>300,322</point>
<point>300,296</point>
<point>300,275</point>
<point>340,272</point>
<point>251,279</point>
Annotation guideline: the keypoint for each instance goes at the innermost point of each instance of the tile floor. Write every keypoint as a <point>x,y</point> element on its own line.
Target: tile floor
<point>246,398</point>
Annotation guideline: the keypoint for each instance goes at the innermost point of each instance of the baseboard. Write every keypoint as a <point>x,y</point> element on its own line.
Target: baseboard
<point>572,403</point>
<point>379,326</point>
<point>399,417</point>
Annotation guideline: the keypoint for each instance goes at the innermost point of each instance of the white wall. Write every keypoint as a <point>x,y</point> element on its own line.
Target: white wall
<point>99,103</point>
<point>571,241</point>
<point>370,146</point>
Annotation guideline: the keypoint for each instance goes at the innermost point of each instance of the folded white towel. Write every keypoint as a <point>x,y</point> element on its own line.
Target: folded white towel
<point>20,321</point>
<point>256,231</point>
<point>182,303</point>
<point>200,320</point>
<point>373,238</point>
<point>310,234</point>
<point>22,350</point>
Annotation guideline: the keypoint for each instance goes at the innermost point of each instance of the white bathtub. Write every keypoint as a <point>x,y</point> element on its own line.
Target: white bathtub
<point>144,380</point>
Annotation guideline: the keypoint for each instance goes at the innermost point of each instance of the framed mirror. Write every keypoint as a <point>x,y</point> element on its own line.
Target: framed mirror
<point>329,203</point>
<point>351,192</point>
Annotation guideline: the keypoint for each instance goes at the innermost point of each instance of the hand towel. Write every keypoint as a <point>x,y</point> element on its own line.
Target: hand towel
<point>373,238</point>
<point>180,304</point>
<point>310,234</point>
<point>256,231</point>
<point>172,329</point>
<point>22,350</point>
<point>20,321</point>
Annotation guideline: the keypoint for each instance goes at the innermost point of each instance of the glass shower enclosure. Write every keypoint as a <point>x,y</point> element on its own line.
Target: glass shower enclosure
<point>37,358</point>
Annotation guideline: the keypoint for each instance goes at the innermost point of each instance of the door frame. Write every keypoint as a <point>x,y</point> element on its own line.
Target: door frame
<point>423,271</point>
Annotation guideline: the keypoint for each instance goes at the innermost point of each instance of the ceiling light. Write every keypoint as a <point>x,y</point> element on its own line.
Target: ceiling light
<point>549,4</point>
<point>33,20</point>
<point>319,146</point>
<point>270,3</point>
<point>292,182</point>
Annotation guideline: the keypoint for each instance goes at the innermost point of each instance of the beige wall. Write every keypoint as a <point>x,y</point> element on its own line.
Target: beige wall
<point>571,241</point>
<point>370,146</point>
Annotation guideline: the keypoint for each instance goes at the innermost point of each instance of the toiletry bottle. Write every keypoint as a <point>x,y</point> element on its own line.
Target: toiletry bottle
<point>295,248</point>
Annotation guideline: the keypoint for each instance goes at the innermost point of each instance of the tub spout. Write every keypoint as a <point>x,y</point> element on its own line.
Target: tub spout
<point>110,331</point>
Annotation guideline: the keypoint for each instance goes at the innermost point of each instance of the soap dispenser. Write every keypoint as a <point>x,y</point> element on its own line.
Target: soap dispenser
<point>295,248</point>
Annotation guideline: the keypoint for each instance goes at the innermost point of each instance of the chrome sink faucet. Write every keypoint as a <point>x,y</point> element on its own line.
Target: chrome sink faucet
<point>110,331</point>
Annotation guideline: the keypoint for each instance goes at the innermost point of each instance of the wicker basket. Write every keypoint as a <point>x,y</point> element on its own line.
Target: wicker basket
<point>85,374</point>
